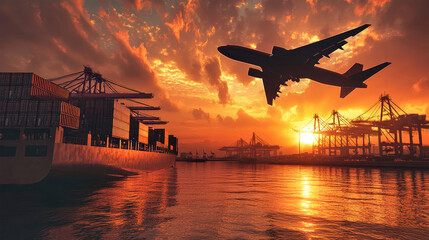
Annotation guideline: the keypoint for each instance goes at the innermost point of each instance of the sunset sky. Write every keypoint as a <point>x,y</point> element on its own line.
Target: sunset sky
<point>169,48</point>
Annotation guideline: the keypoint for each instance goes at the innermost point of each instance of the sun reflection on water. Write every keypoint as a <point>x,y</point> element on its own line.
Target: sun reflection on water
<point>306,205</point>
<point>226,200</point>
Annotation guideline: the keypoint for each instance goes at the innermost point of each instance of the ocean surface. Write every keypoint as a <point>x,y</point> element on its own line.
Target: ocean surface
<point>224,200</point>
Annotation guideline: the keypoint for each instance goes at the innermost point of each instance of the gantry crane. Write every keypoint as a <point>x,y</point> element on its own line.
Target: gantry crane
<point>88,84</point>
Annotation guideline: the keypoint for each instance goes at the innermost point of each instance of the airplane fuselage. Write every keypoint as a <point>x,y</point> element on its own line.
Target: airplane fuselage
<point>291,65</point>
<point>283,65</point>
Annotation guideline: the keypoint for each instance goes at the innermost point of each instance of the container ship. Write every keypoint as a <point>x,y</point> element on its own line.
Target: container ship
<point>77,121</point>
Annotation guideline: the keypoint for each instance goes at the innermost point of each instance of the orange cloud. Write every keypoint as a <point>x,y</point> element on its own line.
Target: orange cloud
<point>172,52</point>
<point>421,85</point>
<point>369,7</point>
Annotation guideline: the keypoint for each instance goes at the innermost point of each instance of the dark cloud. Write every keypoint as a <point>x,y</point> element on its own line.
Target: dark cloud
<point>213,71</point>
<point>122,39</point>
<point>199,114</point>
<point>57,38</point>
<point>212,68</point>
<point>50,37</point>
<point>277,8</point>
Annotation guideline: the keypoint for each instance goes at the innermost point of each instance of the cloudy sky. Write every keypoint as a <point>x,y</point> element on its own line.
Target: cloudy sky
<point>169,48</point>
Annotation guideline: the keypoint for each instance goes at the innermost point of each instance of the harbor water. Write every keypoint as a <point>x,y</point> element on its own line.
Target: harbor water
<point>223,200</point>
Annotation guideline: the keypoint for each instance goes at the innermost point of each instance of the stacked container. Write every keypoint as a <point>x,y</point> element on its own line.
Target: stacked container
<point>172,143</point>
<point>29,85</point>
<point>104,117</point>
<point>34,113</point>
<point>163,136</point>
<point>27,100</point>
<point>138,131</point>
<point>121,121</point>
<point>158,137</point>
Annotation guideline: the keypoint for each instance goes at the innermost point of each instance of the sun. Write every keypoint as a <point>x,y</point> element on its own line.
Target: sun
<point>307,138</point>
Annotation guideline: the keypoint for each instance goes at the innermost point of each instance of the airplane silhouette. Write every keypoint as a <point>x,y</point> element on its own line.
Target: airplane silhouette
<point>284,65</point>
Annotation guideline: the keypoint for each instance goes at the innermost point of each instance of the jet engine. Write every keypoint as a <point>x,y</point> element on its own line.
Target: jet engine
<point>255,73</point>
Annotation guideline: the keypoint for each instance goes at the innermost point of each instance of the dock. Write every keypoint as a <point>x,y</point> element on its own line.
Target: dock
<point>382,136</point>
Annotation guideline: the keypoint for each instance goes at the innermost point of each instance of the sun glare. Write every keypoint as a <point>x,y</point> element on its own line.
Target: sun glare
<point>307,138</point>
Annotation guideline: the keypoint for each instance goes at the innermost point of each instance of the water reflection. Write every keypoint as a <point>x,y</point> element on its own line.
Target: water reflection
<point>112,209</point>
<point>226,200</point>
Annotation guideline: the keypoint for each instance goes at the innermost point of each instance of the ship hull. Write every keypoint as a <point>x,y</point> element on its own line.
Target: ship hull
<point>21,169</point>
<point>71,154</point>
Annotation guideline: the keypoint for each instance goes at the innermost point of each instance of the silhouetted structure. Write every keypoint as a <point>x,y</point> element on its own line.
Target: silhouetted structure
<point>385,120</point>
<point>44,126</point>
<point>392,123</point>
<point>87,85</point>
<point>284,65</point>
<point>108,120</point>
<point>254,149</point>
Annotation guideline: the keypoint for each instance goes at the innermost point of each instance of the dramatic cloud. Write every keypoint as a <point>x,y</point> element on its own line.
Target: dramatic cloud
<point>170,49</point>
<point>212,68</point>
<point>200,114</point>
<point>57,38</point>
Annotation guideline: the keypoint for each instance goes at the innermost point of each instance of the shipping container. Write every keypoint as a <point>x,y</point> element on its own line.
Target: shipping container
<point>159,144</point>
<point>153,137</point>
<point>22,120</point>
<point>3,105</point>
<point>143,133</point>
<point>4,92</point>
<point>43,120</point>
<point>120,133</point>
<point>158,135</point>
<point>13,106</point>
<point>11,120</point>
<point>29,86</point>
<point>139,132</point>
<point>33,106</point>
<point>162,135</point>
<point>32,113</point>
<point>103,117</point>
<point>45,107</point>
<point>31,119</point>
<point>173,143</point>
<point>4,79</point>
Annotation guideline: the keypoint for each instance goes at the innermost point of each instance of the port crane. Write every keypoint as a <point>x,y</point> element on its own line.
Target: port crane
<point>254,149</point>
<point>384,120</point>
<point>87,84</point>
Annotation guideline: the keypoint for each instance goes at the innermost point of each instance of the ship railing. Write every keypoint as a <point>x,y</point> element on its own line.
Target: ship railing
<point>116,143</point>
<point>75,140</point>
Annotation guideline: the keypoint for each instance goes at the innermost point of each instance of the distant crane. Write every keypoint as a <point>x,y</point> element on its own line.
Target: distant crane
<point>254,149</point>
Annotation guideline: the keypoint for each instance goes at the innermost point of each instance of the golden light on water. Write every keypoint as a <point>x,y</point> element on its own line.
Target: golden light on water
<point>306,204</point>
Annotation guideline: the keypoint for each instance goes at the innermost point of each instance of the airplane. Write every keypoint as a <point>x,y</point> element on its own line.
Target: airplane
<point>283,65</point>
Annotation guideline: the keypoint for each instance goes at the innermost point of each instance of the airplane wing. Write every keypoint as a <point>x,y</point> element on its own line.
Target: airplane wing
<point>272,83</point>
<point>315,51</point>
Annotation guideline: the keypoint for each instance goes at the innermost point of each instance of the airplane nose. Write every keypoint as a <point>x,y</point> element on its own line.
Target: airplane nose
<point>222,49</point>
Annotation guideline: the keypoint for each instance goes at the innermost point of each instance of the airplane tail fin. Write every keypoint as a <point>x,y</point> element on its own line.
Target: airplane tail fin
<point>356,75</point>
<point>356,68</point>
<point>362,76</point>
<point>345,91</point>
